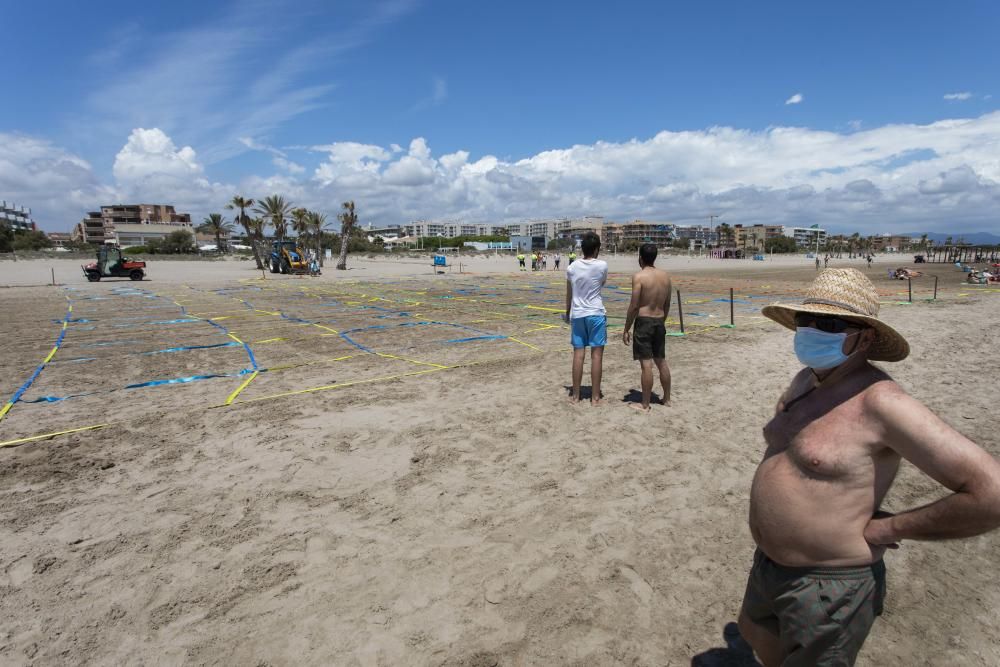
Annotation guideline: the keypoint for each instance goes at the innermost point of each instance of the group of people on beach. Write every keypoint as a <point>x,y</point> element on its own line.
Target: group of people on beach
<point>833,448</point>
<point>983,276</point>
<point>540,261</point>
<point>648,310</point>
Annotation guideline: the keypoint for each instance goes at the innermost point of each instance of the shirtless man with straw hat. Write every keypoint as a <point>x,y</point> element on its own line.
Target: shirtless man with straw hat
<point>833,448</point>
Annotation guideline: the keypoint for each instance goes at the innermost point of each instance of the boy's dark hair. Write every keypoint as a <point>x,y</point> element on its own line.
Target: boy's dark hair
<point>647,252</point>
<point>590,244</point>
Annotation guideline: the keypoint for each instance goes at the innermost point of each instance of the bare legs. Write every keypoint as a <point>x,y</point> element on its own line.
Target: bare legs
<point>647,382</point>
<point>661,365</point>
<point>578,354</point>
<point>596,363</point>
<point>764,643</point>
<point>596,370</point>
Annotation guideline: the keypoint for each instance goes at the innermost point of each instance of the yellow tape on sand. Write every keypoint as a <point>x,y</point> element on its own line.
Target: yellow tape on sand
<point>21,441</point>
<point>340,385</point>
<point>232,396</point>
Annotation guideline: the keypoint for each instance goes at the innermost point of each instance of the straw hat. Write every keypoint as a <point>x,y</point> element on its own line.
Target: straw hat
<point>849,295</point>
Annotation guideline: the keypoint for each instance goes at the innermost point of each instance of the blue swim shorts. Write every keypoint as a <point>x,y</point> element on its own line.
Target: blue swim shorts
<point>590,331</point>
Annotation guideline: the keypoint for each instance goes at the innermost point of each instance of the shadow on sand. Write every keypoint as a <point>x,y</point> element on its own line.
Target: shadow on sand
<point>586,392</point>
<point>635,396</point>
<point>737,653</point>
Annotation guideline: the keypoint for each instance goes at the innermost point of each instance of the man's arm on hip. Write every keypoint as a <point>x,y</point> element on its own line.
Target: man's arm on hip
<point>954,461</point>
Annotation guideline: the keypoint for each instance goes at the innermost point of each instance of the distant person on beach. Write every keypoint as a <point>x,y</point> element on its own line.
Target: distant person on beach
<point>571,257</point>
<point>834,446</point>
<point>586,314</point>
<point>520,260</point>
<point>869,258</point>
<point>545,262</point>
<point>826,261</point>
<point>648,309</point>
<point>817,262</point>
<point>556,259</point>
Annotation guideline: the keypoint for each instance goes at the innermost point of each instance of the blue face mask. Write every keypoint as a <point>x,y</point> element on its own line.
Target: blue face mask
<point>818,349</point>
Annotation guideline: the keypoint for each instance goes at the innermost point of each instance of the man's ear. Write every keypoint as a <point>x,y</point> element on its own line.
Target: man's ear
<point>867,338</point>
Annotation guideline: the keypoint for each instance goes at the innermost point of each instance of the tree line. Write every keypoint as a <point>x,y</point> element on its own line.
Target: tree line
<point>278,213</point>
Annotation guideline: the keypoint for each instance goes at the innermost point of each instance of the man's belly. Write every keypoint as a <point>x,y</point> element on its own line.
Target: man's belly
<point>804,521</point>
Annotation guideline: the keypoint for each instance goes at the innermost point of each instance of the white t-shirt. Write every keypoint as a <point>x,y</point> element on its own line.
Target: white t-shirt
<point>587,276</point>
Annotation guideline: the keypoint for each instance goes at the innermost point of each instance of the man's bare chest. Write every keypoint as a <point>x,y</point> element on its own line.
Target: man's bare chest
<point>822,438</point>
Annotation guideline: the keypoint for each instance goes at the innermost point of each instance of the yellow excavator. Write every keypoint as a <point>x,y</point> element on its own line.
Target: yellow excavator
<point>287,257</point>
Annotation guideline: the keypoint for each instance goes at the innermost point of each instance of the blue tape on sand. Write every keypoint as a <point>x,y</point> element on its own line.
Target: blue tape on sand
<point>180,321</point>
<point>466,340</point>
<point>231,343</point>
<point>62,334</point>
<point>109,344</point>
<point>185,380</point>
<point>253,361</point>
<point>56,399</point>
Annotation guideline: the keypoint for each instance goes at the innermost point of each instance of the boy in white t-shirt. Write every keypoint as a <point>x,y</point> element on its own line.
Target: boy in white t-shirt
<point>586,314</point>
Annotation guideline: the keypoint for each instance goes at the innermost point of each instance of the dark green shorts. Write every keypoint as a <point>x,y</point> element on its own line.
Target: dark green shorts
<point>821,615</point>
<point>649,339</point>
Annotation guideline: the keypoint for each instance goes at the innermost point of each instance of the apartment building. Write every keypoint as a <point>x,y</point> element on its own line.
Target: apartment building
<point>806,237</point>
<point>890,243</point>
<point>703,235</point>
<point>129,222</point>
<point>756,236</point>
<point>16,217</point>
<point>642,231</point>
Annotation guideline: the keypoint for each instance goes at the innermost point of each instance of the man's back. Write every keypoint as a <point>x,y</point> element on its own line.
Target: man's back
<point>654,295</point>
<point>587,277</point>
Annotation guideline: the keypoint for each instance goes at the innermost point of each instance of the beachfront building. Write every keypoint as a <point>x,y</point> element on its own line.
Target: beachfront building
<point>385,233</point>
<point>131,224</point>
<point>450,229</point>
<point>890,243</point>
<point>59,239</point>
<point>700,236</point>
<point>16,217</point>
<point>806,237</point>
<point>756,236</point>
<point>615,235</point>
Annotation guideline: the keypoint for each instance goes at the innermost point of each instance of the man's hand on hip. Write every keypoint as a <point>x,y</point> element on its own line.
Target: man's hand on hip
<point>878,532</point>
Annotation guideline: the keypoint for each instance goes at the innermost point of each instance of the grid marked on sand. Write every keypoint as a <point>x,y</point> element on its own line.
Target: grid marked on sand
<point>184,347</point>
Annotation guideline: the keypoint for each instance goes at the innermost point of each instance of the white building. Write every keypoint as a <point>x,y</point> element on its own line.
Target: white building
<point>16,217</point>
<point>127,235</point>
<point>806,237</point>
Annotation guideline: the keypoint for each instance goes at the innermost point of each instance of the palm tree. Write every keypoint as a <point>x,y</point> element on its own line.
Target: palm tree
<point>300,223</point>
<point>348,218</point>
<point>276,209</point>
<point>215,224</point>
<point>243,203</point>
<point>255,227</point>
<point>317,221</point>
<point>724,231</point>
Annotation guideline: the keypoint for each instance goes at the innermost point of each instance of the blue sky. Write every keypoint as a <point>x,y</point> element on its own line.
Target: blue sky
<point>862,116</point>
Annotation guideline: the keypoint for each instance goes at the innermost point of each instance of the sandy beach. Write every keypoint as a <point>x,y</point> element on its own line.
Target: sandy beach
<point>380,467</point>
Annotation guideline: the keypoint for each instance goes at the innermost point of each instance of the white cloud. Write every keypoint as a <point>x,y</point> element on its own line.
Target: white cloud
<point>57,185</point>
<point>246,69</point>
<point>942,175</point>
<point>151,154</point>
<point>958,97</point>
<point>279,158</point>
<point>795,99</point>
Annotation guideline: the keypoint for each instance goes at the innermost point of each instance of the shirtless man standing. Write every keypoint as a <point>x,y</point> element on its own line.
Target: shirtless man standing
<point>833,448</point>
<point>650,304</point>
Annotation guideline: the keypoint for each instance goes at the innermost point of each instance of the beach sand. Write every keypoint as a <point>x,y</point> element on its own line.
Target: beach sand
<point>468,515</point>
